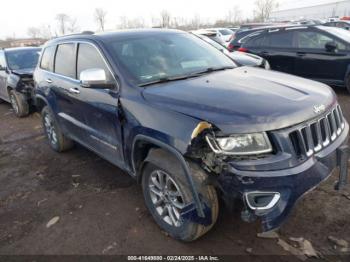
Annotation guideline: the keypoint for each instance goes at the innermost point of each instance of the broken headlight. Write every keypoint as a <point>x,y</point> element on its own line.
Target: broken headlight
<point>242,144</point>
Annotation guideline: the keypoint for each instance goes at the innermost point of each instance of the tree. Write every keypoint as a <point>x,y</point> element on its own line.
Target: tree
<point>165,18</point>
<point>234,15</point>
<point>62,20</point>
<point>33,32</point>
<point>72,25</point>
<point>263,9</point>
<point>100,18</point>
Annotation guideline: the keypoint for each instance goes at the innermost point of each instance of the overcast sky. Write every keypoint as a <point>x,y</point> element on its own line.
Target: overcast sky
<point>17,15</point>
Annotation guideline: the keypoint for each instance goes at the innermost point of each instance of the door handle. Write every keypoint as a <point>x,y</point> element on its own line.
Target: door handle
<point>301,53</point>
<point>74,90</point>
<point>49,80</point>
<point>264,53</point>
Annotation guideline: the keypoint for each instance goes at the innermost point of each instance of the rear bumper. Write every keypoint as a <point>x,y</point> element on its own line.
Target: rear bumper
<point>285,187</point>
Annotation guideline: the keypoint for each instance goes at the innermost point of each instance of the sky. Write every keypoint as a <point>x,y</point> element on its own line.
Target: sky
<point>18,15</point>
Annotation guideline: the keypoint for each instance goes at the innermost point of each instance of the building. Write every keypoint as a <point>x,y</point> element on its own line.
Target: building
<point>310,9</point>
<point>27,42</point>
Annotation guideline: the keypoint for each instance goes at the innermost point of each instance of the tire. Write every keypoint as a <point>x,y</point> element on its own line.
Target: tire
<point>160,162</point>
<point>347,84</point>
<point>57,140</point>
<point>19,103</point>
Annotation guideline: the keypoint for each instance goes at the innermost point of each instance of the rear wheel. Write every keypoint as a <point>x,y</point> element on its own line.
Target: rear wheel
<point>58,141</point>
<point>19,103</point>
<point>166,192</point>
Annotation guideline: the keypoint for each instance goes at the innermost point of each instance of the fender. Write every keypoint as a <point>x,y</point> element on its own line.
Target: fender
<point>184,166</point>
<point>347,74</point>
<point>14,81</point>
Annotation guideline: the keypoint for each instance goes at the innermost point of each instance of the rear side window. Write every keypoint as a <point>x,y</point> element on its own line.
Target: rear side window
<point>282,40</point>
<point>88,58</point>
<point>47,58</point>
<point>65,60</point>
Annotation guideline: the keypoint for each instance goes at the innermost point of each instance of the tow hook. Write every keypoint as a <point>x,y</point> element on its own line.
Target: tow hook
<point>342,158</point>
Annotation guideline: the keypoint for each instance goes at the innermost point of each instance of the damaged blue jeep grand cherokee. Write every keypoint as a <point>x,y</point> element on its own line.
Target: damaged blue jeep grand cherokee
<point>190,125</point>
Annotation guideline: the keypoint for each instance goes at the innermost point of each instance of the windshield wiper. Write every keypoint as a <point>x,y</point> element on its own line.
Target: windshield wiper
<point>212,69</point>
<point>182,77</point>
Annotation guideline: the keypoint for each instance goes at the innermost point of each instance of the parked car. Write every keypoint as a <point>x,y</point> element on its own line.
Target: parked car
<point>242,59</point>
<point>189,125</point>
<point>241,36</point>
<point>16,77</point>
<point>341,24</point>
<point>317,52</point>
<point>224,33</point>
<point>210,34</point>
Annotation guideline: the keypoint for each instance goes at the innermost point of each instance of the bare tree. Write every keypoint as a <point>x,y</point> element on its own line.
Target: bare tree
<point>100,18</point>
<point>45,31</point>
<point>72,25</point>
<point>33,32</point>
<point>263,9</point>
<point>234,15</point>
<point>165,17</point>
<point>62,20</point>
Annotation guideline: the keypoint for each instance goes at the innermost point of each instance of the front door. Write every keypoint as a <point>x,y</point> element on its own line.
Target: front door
<point>100,107</point>
<point>315,62</point>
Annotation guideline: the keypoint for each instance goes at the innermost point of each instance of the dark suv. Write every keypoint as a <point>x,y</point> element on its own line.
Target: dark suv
<point>180,117</point>
<point>16,77</point>
<point>317,52</point>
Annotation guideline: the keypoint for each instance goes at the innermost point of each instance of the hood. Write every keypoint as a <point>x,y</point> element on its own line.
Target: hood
<point>245,58</point>
<point>28,72</point>
<point>244,99</point>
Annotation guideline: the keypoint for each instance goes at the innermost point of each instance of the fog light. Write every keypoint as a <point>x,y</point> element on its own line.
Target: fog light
<point>261,200</point>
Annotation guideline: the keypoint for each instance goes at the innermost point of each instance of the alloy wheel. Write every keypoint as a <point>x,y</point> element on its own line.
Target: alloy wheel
<point>166,197</point>
<point>50,129</point>
<point>14,103</point>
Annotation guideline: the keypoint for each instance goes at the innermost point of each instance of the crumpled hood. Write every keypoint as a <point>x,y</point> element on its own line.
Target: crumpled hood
<point>243,99</point>
<point>23,72</point>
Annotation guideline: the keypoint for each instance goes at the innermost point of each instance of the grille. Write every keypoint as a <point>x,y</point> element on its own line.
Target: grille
<point>317,135</point>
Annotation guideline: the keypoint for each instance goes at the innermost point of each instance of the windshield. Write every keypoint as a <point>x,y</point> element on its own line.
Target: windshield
<point>22,59</point>
<point>154,57</point>
<point>339,32</point>
<point>226,32</point>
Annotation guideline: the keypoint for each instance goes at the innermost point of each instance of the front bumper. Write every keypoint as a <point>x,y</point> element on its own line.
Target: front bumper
<point>288,184</point>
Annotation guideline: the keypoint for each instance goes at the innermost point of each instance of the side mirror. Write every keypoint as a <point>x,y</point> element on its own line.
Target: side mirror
<point>331,46</point>
<point>94,77</point>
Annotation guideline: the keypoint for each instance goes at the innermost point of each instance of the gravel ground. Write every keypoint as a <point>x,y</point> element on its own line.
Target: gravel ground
<point>101,208</point>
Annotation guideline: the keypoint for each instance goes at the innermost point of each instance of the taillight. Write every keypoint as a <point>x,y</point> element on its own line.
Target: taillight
<point>242,49</point>
<point>230,47</point>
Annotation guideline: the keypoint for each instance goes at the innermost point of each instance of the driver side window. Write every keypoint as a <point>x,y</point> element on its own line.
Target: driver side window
<point>315,40</point>
<point>89,58</point>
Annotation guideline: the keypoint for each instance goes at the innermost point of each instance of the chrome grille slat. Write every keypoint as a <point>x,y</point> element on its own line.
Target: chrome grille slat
<point>312,137</point>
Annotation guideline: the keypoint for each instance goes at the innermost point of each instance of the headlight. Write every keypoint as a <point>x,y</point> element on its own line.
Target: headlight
<point>267,65</point>
<point>243,144</point>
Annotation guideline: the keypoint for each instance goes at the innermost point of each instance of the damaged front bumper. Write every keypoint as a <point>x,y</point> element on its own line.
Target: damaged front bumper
<point>271,195</point>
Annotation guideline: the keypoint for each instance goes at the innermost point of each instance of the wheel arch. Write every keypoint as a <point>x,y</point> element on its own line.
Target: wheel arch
<point>147,144</point>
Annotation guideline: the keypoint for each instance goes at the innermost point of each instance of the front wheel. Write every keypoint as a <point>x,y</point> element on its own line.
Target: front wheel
<point>166,192</point>
<point>58,141</point>
<point>19,103</point>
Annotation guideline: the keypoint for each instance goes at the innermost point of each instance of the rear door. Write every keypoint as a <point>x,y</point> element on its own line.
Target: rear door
<point>3,76</point>
<point>277,47</point>
<point>66,88</point>
<point>315,62</point>
<point>100,107</point>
